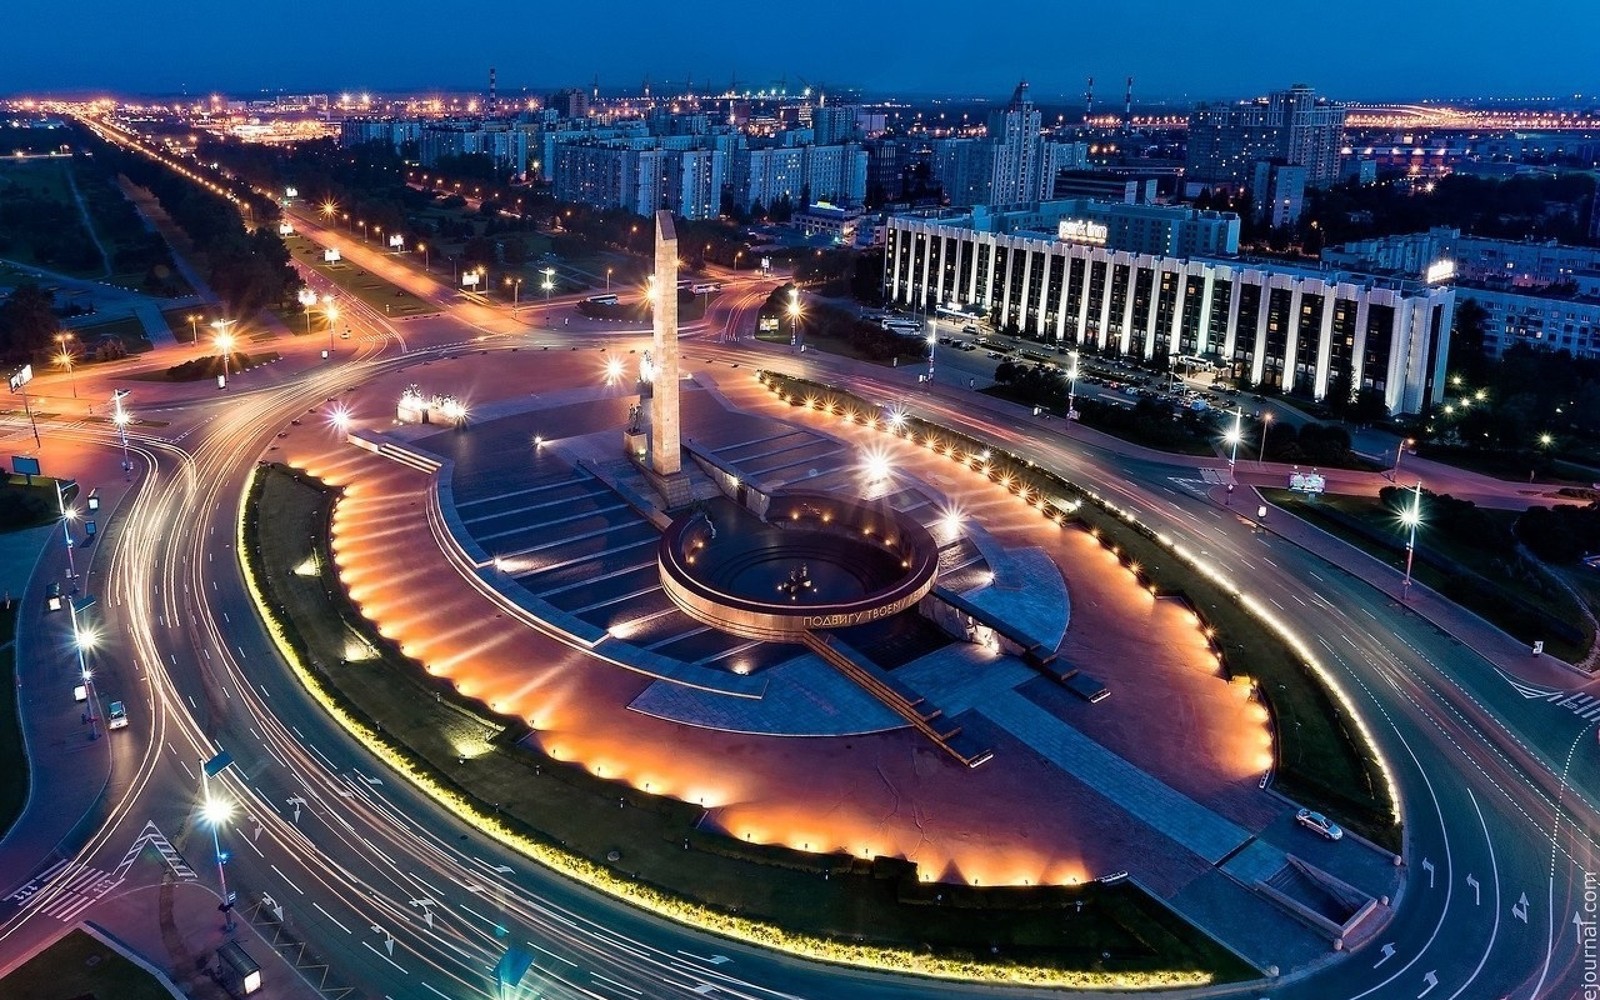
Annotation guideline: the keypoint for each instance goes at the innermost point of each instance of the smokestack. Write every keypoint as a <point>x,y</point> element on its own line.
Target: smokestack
<point>1088,102</point>
<point>493,100</point>
<point>1127,110</point>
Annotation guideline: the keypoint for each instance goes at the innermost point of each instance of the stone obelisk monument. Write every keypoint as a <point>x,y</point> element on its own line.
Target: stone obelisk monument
<point>665,451</point>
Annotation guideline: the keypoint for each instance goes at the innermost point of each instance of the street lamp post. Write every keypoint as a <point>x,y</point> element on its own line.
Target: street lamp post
<point>1072,389</point>
<point>224,342</point>
<point>1399,449</point>
<point>1411,518</point>
<point>608,279</point>
<point>332,311</point>
<point>194,328</point>
<point>1233,456</point>
<point>1266,424</point>
<point>215,811</point>
<point>424,248</point>
<point>794,317</point>
<point>68,514</point>
<point>81,642</point>
<point>66,359</point>
<point>516,292</point>
<point>548,283</point>
<point>120,417</point>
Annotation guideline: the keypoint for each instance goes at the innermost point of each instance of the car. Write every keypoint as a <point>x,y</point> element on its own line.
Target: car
<point>116,716</point>
<point>970,330</point>
<point>1319,824</point>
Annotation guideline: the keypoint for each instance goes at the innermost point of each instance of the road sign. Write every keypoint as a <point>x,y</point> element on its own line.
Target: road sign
<point>214,766</point>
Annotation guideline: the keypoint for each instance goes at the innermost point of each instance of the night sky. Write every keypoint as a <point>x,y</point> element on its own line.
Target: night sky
<point>1177,49</point>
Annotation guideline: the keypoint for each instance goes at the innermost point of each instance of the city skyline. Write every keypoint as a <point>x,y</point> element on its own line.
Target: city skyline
<point>885,52</point>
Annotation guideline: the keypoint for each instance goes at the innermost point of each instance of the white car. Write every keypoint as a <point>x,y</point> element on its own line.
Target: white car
<point>1318,823</point>
<point>116,716</point>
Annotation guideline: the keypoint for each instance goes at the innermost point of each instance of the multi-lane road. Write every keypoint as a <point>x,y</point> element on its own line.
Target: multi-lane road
<point>399,899</point>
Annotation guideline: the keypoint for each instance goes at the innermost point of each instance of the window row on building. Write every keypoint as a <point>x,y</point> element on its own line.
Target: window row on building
<point>1303,330</point>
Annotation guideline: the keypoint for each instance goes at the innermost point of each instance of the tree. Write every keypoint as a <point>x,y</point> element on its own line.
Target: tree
<point>27,323</point>
<point>1468,335</point>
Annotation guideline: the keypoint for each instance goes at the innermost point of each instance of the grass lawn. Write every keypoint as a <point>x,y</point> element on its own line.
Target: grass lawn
<point>461,744</point>
<point>840,346</point>
<point>209,367</point>
<point>27,506</point>
<point>13,763</point>
<point>1498,592</point>
<point>128,329</point>
<point>1089,415</point>
<point>78,967</point>
<point>353,280</point>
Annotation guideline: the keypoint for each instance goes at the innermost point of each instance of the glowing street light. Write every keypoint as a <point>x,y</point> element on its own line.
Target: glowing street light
<point>1233,437</point>
<point>424,248</point>
<point>224,342</point>
<point>1399,449</point>
<point>516,291</point>
<point>121,417</point>
<point>215,811</point>
<point>68,515</point>
<point>548,283</point>
<point>1266,425</point>
<point>794,317</point>
<point>64,358</point>
<point>1072,389</point>
<point>1411,517</point>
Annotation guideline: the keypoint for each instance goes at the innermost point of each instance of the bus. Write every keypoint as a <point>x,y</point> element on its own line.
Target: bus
<point>705,288</point>
<point>904,327</point>
<point>601,300</point>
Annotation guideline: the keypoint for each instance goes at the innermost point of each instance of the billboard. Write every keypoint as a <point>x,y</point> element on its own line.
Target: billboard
<point>1306,482</point>
<point>22,377</point>
<point>24,465</point>
<point>332,255</point>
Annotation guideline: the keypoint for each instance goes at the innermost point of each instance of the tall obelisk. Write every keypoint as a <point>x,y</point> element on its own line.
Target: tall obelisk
<point>665,457</point>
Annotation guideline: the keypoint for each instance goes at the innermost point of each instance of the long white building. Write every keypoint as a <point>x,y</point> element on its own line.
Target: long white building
<point>1303,329</point>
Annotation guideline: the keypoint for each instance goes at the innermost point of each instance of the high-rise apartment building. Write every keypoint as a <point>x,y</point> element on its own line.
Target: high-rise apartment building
<point>1296,126</point>
<point>1017,149</point>
<point>964,168</point>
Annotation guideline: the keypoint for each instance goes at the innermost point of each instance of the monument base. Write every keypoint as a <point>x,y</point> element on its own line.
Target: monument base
<point>636,445</point>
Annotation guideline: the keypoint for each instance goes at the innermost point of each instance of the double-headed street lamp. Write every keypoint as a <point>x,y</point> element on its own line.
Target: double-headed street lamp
<point>515,285</point>
<point>549,283</point>
<point>424,248</point>
<point>1233,437</point>
<point>1411,517</point>
<point>83,641</point>
<point>331,309</point>
<point>68,515</point>
<point>65,358</point>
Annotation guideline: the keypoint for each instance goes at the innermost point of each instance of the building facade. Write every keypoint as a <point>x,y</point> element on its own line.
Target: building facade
<point>1016,150</point>
<point>1279,192</point>
<point>1296,126</point>
<point>1302,329</point>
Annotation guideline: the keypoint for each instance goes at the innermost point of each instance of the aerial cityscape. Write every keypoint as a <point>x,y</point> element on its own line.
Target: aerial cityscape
<point>668,512</point>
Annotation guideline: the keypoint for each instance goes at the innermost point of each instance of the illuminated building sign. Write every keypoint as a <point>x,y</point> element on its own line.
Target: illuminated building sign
<point>1082,231</point>
<point>1440,270</point>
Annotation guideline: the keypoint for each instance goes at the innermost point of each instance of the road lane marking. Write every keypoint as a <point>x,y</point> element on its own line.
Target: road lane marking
<point>386,958</point>
<point>289,880</point>
<point>330,916</point>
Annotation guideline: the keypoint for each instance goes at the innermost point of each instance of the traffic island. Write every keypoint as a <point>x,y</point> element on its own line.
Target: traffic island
<point>655,851</point>
<point>1323,757</point>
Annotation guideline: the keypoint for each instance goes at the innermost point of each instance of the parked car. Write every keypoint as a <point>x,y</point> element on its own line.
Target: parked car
<point>117,716</point>
<point>1319,824</point>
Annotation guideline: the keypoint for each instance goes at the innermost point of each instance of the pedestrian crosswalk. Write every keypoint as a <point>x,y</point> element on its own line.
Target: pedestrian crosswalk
<point>67,888</point>
<point>1584,705</point>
